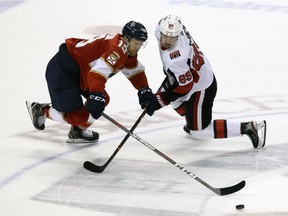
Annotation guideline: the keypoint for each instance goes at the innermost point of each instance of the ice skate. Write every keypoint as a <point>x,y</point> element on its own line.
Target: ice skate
<point>36,115</point>
<point>256,131</point>
<point>77,135</point>
<point>186,129</point>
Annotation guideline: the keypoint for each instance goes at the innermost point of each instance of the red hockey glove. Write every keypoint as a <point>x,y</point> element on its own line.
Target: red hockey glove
<point>162,99</point>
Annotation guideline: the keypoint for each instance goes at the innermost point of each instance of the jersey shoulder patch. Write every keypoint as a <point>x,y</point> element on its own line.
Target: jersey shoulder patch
<point>113,58</point>
<point>115,54</point>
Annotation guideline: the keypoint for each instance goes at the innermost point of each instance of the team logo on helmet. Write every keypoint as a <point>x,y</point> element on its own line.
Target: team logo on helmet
<point>171,26</point>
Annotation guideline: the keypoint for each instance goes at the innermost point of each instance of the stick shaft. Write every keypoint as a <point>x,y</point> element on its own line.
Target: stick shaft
<point>154,149</point>
<point>124,140</point>
<point>99,169</point>
<point>219,191</point>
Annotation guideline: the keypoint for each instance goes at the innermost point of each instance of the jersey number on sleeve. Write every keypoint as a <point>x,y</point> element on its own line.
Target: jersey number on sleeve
<point>197,62</point>
<point>121,44</point>
<point>185,77</point>
<point>198,59</point>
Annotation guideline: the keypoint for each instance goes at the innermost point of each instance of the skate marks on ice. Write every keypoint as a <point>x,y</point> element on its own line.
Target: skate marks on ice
<point>6,5</point>
<point>99,30</point>
<point>252,106</point>
<point>260,160</point>
<point>129,188</point>
<point>242,213</point>
<point>266,174</point>
<point>276,7</point>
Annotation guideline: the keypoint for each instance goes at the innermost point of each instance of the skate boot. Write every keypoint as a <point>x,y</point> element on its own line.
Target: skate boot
<point>36,114</point>
<point>77,135</point>
<point>256,131</point>
<point>186,129</point>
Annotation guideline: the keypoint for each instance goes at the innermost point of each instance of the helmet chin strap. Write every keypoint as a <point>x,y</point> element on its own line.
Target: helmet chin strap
<point>127,42</point>
<point>126,39</point>
<point>144,44</point>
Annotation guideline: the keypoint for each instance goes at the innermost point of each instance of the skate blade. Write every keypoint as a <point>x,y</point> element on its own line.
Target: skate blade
<point>262,131</point>
<point>80,141</point>
<point>29,108</point>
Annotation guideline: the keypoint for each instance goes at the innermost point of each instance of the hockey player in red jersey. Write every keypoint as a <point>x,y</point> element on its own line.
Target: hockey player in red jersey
<point>190,86</point>
<point>81,68</point>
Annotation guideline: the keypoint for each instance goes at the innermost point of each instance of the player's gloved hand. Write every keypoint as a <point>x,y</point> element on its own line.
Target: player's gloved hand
<point>162,100</point>
<point>147,100</point>
<point>167,93</point>
<point>95,104</point>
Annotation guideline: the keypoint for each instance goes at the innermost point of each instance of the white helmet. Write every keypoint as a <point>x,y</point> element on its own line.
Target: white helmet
<point>171,25</point>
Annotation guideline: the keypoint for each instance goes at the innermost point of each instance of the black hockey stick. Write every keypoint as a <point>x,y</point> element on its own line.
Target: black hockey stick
<point>99,169</point>
<point>219,191</point>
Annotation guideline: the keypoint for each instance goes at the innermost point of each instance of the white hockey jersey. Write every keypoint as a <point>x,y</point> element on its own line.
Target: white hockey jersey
<point>185,66</point>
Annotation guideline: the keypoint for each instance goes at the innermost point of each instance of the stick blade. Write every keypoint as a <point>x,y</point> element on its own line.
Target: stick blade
<point>230,190</point>
<point>92,167</point>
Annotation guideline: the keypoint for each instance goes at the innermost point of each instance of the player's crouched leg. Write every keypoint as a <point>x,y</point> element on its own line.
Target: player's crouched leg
<point>80,120</point>
<point>206,133</point>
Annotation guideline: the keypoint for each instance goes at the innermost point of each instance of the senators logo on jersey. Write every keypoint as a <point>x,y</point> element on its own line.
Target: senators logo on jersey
<point>175,54</point>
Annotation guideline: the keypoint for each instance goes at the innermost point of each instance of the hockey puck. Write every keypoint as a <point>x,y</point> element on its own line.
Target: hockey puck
<point>240,207</point>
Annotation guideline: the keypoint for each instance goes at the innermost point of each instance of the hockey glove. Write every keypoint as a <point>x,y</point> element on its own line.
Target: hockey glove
<point>95,104</point>
<point>162,100</point>
<point>168,93</point>
<point>147,100</point>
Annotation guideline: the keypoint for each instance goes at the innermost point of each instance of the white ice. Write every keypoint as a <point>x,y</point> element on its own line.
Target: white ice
<point>247,45</point>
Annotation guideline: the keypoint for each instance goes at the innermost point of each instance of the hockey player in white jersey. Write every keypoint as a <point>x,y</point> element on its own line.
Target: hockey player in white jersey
<point>190,87</point>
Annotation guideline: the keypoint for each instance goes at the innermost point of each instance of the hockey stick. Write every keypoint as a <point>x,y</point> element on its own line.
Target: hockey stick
<point>219,191</point>
<point>99,169</point>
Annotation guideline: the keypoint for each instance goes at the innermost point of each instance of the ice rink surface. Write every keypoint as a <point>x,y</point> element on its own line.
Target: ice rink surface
<point>246,42</point>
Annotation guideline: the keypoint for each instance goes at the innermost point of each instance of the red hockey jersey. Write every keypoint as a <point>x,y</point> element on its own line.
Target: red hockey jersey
<point>101,57</point>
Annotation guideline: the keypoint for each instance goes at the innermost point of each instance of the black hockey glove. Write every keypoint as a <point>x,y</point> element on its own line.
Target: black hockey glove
<point>147,100</point>
<point>95,104</point>
<point>168,93</point>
